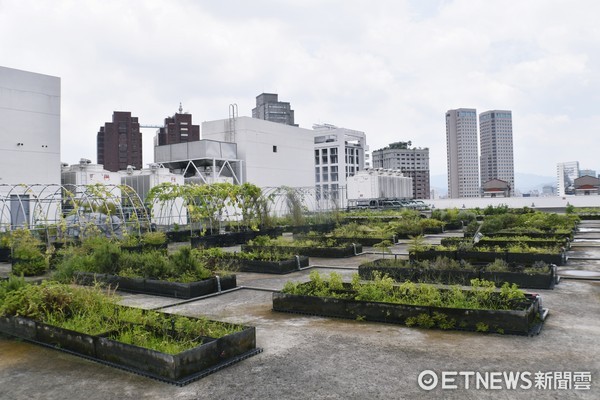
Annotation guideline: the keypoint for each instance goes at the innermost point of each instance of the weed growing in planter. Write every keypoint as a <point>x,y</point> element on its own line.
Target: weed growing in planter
<point>383,289</point>
<point>92,311</point>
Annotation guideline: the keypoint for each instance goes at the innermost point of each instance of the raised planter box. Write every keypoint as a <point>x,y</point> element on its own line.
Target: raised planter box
<point>4,254</point>
<point>364,241</point>
<point>326,252</point>
<point>180,369</point>
<point>452,241</point>
<point>174,368</point>
<point>401,274</point>
<point>518,322</point>
<point>431,255</point>
<point>531,281</point>
<point>321,228</point>
<point>490,256</point>
<point>178,236</point>
<point>458,277</point>
<point>223,240</point>
<point>274,267</point>
<point>160,288</point>
<point>433,230</point>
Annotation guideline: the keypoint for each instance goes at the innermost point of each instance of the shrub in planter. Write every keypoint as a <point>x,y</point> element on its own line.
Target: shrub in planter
<point>29,256</point>
<point>482,308</point>
<point>154,240</point>
<point>5,246</point>
<point>89,323</point>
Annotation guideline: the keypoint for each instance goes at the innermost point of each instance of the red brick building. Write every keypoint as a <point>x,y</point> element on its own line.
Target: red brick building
<point>119,143</point>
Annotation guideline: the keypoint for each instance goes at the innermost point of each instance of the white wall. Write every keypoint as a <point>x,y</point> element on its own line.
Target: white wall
<point>517,202</point>
<point>292,165</point>
<point>29,114</point>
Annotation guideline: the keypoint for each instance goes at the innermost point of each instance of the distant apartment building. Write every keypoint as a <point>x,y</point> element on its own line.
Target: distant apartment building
<point>178,129</point>
<point>566,173</point>
<point>339,154</point>
<point>413,162</point>
<point>119,143</point>
<point>462,153</point>
<point>588,172</point>
<point>496,144</point>
<point>269,108</point>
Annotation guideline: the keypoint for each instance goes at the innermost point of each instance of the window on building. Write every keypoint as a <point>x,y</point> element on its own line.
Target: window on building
<point>325,174</point>
<point>317,160</point>
<point>333,156</point>
<point>334,173</point>
<point>324,156</point>
<point>274,149</point>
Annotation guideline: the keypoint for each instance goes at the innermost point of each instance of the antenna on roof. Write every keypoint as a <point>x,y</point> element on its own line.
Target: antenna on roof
<point>180,108</point>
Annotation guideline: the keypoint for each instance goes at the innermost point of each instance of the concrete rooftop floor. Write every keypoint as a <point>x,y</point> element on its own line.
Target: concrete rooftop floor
<point>322,358</point>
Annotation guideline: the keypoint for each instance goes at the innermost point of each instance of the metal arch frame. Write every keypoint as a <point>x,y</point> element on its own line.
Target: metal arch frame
<point>47,204</point>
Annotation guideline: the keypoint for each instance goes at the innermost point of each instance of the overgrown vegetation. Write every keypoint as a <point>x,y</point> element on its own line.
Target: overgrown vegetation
<point>482,294</point>
<point>93,311</point>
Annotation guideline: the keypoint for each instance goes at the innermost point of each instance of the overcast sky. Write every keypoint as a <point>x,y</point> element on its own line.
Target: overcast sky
<point>388,68</point>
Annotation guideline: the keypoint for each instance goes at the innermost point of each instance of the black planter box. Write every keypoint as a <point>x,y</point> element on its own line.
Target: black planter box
<point>21,327</point>
<point>320,228</point>
<point>364,240</point>
<point>223,240</point>
<point>453,226</point>
<point>431,255</point>
<point>401,274</point>
<point>481,256</point>
<point>588,217</point>
<point>175,367</point>
<point>179,369</point>
<point>133,249</point>
<point>434,230</point>
<point>543,280</point>
<point>66,339</point>
<point>532,281</point>
<point>274,267</point>
<point>348,250</point>
<point>178,236</point>
<point>160,288</point>
<point>530,258</point>
<point>518,322</point>
<point>4,254</point>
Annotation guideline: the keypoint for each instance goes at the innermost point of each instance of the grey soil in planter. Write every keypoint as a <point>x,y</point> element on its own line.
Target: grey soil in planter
<point>159,288</point>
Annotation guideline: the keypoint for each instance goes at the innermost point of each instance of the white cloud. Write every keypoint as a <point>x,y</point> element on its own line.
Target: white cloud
<point>390,68</point>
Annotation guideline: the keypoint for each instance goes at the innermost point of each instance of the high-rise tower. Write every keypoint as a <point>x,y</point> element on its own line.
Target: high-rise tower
<point>461,144</point>
<point>496,141</point>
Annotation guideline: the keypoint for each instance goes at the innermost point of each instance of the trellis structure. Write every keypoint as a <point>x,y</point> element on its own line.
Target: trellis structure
<point>71,211</point>
<point>210,207</point>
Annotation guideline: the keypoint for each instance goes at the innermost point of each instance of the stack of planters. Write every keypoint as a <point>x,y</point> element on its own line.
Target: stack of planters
<point>88,322</point>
